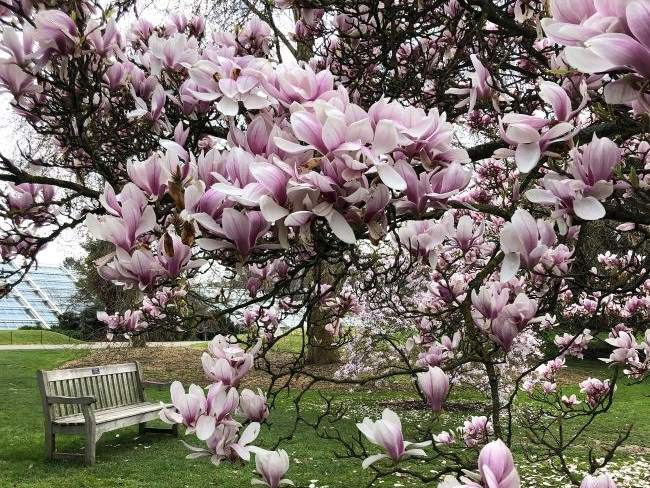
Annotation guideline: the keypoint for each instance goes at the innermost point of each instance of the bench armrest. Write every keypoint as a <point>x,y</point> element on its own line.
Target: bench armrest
<point>84,400</point>
<point>156,384</point>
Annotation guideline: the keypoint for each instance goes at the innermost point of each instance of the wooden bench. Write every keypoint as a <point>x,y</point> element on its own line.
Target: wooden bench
<point>91,401</point>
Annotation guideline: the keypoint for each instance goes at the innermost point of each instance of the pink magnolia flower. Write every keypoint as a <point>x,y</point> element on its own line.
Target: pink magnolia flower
<point>255,37</point>
<point>596,390</point>
<point>220,403</point>
<point>496,466</point>
<point>238,230</point>
<point>476,430</point>
<point>512,320</point>
<point>430,188</point>
<point>229,81</point>
<point>593,164</point>
<point>434,385</point>
<point>189,408</point>
<point>557,97</point>
<point>150,175</point>
<point>329,129</point>
<point>105,40</point>
<point>574,22</point>
<point>613,50</point>
<point>444,438</point>
<point>175,52</point>
<point>130,321</point>
<point>481,87</point>
<point>489,301</point>
<point>419,133</point>
<point>220,370</point>
<point>226,347</point>
<point>174,256</point>
<point>131,217</point>
<point>496,469</point>
<point>271,466</point>
<point>550,369</point>
<point>116,76</point>
<point>625,347</point>
<point>224,443</point>
<point>139,269</point>
<point>30,199</point>
<point>602,481</point>
<point>421,237</point>
<point>567,196</point>
<point>466,235</point>
<point>154,110</point>
<point>290,83</point>
<point>253,405</point>
<point>55,32</point>
<point>574,345</point>
<point>570,401</point>
<point>523,132</point>
<point>526,240</point>
<point>387,433</point>
<point>434,356</point>
<point>15,80</point>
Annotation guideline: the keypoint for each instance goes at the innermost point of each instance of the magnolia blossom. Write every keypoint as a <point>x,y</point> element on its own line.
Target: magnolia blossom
<point>481,85</point>
<point>596,390</point>
<point>387,433</point>
<point>129,217</point>
<point>523,131</point>
<point>226,361</point>
<point>501,320</point>
<point>253,405</point>
<point>434,384</point>
<point>574,345</point>
<point>625,347</point>
<point>475,431</point>
<point>189,408</point>
<point>601,481</point>
<point>130,321</point>
<point>271,466</point>
<point>224,443</point>
<point>444,438</point>
<point>593,164</point>
<point>524,240</point>
<point>570,401</point>
<point>496,469</point>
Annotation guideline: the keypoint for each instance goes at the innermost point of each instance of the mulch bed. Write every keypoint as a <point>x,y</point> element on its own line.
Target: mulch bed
<point>184,364</point>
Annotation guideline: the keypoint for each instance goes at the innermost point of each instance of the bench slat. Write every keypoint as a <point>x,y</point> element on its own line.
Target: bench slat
<point>110,414</point>
<point>65,374</point>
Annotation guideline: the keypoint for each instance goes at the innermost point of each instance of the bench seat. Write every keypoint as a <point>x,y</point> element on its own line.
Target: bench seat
<point>111,414</point>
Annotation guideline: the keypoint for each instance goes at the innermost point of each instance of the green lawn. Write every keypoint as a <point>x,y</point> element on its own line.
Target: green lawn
<point>124,459</point>
<point>34,337</point>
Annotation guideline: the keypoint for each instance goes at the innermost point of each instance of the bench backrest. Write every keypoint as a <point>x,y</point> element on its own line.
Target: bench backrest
<point>113,385</point>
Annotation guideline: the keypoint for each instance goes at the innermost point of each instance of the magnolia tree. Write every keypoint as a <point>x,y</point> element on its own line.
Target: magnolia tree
<point>467,176</point>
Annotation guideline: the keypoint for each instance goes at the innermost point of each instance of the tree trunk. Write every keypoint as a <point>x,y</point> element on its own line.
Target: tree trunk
<point>321,348</point>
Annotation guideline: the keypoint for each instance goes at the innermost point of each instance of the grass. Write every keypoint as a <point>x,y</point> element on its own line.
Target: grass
<point>125,459</point>
<point>34,337</point>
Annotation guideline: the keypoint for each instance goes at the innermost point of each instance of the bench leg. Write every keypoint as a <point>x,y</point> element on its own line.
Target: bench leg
<point>91,441</point>
<point>50,444</point>
<point>142,427</point>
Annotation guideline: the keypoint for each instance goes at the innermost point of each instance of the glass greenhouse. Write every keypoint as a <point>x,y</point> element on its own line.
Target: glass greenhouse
<point>38,298</point>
